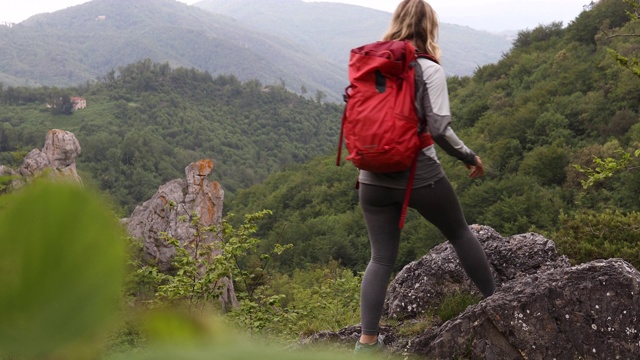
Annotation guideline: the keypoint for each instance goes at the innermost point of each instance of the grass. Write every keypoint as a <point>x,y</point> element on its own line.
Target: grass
<point>453,305</point>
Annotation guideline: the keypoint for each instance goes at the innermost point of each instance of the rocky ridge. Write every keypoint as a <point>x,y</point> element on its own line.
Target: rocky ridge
<point>56,160</point>
<point>543,308</point>
<point>169,211</point>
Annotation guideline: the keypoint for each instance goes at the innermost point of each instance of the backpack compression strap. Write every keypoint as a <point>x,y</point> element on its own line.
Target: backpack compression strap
<point>344,116</point>
<point>407,195</point>
<point>426,140</point>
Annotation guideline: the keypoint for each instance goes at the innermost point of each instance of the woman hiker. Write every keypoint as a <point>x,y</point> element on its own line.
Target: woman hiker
<point>382,195</point>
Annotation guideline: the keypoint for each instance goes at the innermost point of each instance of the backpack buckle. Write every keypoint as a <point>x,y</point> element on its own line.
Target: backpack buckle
<point>345,96</point>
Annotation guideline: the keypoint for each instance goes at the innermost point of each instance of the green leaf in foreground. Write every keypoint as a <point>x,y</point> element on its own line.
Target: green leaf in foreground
<point>61,268</point>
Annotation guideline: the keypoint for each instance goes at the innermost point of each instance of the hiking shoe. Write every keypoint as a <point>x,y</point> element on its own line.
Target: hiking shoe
<point>370,348</point>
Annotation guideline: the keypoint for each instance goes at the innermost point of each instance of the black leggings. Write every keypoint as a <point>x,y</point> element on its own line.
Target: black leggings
<point>439,205</point>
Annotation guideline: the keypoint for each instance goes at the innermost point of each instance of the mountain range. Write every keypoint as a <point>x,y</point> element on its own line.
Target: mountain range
<point>332,29</point>
<point>304,46</point>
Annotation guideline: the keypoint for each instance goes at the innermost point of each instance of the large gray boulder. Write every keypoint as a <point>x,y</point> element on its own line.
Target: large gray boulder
<point>423,284</point>
<point>590,311</point>
<point>165,212</point>
<point>169,211</point>
<point>61,148</point>
<point>543,307</point>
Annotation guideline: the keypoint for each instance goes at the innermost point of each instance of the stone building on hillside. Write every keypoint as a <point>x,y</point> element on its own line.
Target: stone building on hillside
<point>78,103</point>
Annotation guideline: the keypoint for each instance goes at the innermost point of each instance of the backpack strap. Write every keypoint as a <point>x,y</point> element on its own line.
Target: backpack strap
<point>338,158</point>
<point>428,56</point>
<point>407,194</point>
<point>425,137</point>
<point>345,97</point>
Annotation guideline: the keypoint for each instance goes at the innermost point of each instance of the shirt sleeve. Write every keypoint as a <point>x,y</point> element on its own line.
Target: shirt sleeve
<point>435,107</point>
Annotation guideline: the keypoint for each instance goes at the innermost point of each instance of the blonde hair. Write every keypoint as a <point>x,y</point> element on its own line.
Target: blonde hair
<point>415,20</point>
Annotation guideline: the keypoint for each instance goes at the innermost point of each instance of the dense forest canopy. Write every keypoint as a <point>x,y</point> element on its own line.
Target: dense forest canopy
<point>146,122</point>
<point>557,99</point>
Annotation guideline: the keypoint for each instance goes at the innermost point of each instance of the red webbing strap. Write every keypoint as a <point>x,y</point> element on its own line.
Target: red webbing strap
<point>407,195</point>
<point>344,116</point>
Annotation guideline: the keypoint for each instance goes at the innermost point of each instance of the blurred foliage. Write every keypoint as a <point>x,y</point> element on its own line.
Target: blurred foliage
<point>236,350</point>
<point>62,264</point>
<point>61,259</point>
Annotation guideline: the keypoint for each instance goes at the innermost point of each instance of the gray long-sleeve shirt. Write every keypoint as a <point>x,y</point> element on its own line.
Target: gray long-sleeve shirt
<point>432,102</point>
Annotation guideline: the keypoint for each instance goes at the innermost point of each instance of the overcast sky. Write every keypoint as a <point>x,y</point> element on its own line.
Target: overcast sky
<point>491,15</point>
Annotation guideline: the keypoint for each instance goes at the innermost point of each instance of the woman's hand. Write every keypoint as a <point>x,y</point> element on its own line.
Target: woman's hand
<point>477,170</point>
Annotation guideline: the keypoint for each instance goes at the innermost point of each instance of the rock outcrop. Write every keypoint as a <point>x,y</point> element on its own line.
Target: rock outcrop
<point>165,212</point>
<point>590,311</point>
<point>423,284</point>
<point>543,308</point>
<point>6,171</point>
<point>57,160</point>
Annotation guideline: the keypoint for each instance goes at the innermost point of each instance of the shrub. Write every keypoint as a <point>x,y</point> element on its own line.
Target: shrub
<point>590,235</point>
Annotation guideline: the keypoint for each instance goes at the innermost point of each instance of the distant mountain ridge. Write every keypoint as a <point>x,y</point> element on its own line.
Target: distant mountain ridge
<point>83,42</point>
<point>332,29</point>
<point>304,46</point>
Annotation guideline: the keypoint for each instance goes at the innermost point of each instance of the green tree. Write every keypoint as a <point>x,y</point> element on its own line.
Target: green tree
<point>587,25</point>
<point>546,164</point>
<point>541,33</point>
<point>604,168</point>
<point>589,235</point>
<point>513,205</point>
<point>549,127</point>
<point>62,105</point>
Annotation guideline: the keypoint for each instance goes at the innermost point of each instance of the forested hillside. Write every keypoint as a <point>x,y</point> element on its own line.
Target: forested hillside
<point>558,99</point>
<point>142,127</point>
<point>315,208</point>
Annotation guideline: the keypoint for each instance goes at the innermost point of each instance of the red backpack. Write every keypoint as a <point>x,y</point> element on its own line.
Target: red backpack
<point>380,126</point>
